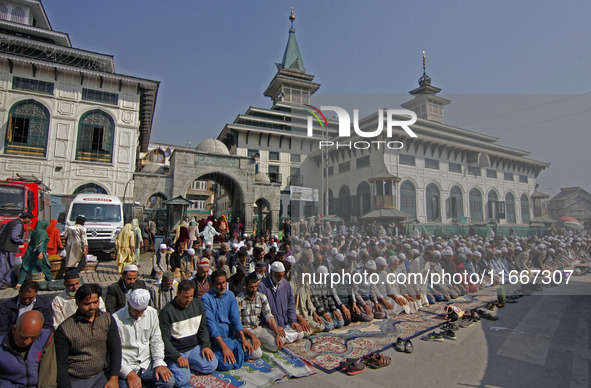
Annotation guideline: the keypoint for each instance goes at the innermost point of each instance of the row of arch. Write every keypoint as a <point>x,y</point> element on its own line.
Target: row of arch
<point>455,206</point>
<point>27,132</point>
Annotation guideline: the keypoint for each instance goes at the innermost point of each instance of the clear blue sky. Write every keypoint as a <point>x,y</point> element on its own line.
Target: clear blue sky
<point>214,59</point>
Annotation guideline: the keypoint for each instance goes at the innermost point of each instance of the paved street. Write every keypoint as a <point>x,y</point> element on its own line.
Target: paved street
<point>554,350</point>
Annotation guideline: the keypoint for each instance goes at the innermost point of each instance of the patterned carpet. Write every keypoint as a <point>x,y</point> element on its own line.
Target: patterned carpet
<point>326,350</point>
<point>271,368</point>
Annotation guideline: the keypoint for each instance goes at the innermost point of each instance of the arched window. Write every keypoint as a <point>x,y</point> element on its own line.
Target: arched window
<point>18,15</point>
<point>27,130</point>
<point>408,198</point>
<point>493,203</point>
<point>90,188</point>
<point>3,11</point>
<point>456,203</point>
<point>433,203</point>
<point>96,130</point>
<point>510,208</point>
<point>525,216</point>
<point>476,205</point>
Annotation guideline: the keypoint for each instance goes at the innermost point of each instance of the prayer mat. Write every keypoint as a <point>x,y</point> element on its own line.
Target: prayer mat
<point>269,369</point>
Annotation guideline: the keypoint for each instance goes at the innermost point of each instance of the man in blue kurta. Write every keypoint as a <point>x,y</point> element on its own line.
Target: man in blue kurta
<point>229,344</point>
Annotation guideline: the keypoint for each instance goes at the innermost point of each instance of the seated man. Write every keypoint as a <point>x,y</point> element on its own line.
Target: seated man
<point>202,278</point>
<point>253,305</point>
<point>26,300</point>
<point>117,292</point>
<point>27,354</point>
<point>142,362</point>
<point>224,325</point>
<point>84,341</point>
<point>164,293</point>
<point>325,304</point>
<point>280,297</point>
<point>64,303</point>
<point>185,335</point>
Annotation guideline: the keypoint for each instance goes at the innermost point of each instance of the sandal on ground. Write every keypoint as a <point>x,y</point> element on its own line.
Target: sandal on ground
<point>355,368</point>
<point>491,306</point>
<point>377,360</point>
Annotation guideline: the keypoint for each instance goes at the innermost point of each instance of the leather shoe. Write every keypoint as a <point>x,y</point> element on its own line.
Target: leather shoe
<point>408,348</point>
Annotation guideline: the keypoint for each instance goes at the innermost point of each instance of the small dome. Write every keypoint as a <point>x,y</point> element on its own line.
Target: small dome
<point>212,146</point>
<point>261,177</point>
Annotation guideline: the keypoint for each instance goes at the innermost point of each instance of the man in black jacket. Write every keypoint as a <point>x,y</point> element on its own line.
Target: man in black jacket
<point>10,239</point>
<point>116,293</point>
<point>26,300</point>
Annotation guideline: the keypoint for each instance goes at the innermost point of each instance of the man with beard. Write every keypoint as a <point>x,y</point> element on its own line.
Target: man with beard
<point>64,303</point>
<point>84,341</point>
<point>202,278</point>
<point>116,297</point>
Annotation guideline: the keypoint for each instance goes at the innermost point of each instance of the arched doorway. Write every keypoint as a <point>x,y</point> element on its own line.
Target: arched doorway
<point>215,194</point>
<point>262,216</point>
<point>456,203</point>
<point>344,208</point>
<point>364,198</point>
<point>433,198</point>
<point>408,198</point>
<point>476,205</point>
<point>510,208</point>
<point>155,201</point>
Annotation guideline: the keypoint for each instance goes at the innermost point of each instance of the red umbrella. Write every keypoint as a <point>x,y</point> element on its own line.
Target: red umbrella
<point>569,219</point>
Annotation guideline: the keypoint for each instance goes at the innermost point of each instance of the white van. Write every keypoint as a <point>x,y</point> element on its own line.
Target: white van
<point>104,220</point>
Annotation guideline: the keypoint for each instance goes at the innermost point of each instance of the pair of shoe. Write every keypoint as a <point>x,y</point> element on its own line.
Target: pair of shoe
<point>376,360</point>
<point>450,326</point>
<point>448,334</point>
<point>403,346</point>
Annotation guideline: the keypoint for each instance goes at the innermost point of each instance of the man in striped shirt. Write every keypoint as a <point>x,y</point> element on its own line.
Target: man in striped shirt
<point>185,335</point>
<point>252,304</point>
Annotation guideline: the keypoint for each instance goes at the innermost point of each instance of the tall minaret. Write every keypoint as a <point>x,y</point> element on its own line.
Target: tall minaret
<point>426,104</point>
<point>291,83</point>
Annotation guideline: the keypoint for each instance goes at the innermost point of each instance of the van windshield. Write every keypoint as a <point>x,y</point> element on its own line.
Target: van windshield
<point>12,200</point>
<point>95,212</point>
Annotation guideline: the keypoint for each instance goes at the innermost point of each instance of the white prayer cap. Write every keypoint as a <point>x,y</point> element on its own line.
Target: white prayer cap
<point>130,268</point>
<point>334,251</point>
<point>290,259</point>
<point>139,299</point>
<point>551,250</point>
<point>163,246</point>
<point>339,257</point>
<point>322,269</point>
<point>363,244</point>
<point>381,261</point>
<point>406,246</point>
<point>277,267</point>
<point>190,251</point>
<point>415,252</point>
<point>353,254</point>
<point>518,249</point>
<point>467,252</point>
<point>208,243</point>
<point>504,250</point>
<point>436,253</point>
<point>234,245</point>
<point>306,245</point>
<point>460,250</point>
<point>371,264</point>
<point>274,245</point>
<point>415,243</point>
<point>477,254</point>
<point>402,256</point>
<point>448,252</point>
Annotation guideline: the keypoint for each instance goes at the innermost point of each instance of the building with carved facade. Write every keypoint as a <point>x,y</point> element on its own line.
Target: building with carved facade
<point>67,117</point>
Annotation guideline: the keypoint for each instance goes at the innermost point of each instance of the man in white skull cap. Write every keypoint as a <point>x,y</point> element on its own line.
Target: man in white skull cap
<point>282,302</point>
<point>142,361</point>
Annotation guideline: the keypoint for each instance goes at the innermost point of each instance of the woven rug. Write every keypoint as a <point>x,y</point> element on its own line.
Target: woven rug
<point>269,369</point>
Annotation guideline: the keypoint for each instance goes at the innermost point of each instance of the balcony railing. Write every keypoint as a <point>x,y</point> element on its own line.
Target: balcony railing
<point>384,201</point>
<point>275,177</point>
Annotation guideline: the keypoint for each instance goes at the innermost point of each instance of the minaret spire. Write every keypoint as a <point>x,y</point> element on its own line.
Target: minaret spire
<point>292,18</point>
<point>425,79</point>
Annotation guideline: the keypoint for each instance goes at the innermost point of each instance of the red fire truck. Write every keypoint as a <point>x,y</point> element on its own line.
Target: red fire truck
<point>24,193</point>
